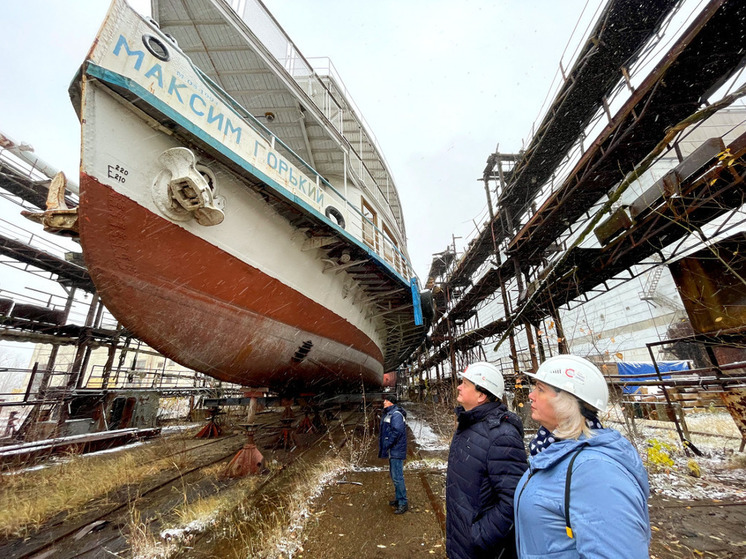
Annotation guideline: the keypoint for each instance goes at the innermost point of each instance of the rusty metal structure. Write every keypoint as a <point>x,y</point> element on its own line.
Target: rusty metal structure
<point>564,223</point>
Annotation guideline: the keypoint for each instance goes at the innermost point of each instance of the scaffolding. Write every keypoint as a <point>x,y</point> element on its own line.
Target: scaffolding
<point>82,353</point>
<point>572,219</point>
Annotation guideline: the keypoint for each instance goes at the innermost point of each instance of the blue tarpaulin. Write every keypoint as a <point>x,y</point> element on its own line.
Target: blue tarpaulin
<point>646,371</point>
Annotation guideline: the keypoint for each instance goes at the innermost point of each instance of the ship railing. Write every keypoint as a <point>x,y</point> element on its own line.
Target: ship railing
<point>365,229</point>
<point>331,83</point>
<point>359,171</point>
<point>356,223</point>
<point>380,242</point>
<point>274,38</point>
<point>309,73</point>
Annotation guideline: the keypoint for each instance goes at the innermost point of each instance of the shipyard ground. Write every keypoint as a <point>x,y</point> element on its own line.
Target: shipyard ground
<point>352,521</point>
<point>349,518</point>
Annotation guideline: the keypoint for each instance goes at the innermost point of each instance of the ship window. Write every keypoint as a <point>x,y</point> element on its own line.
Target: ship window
<point>389,248</point>
<point>370,222</point>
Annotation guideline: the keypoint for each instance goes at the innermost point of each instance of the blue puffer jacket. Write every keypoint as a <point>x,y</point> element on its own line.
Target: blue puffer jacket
<point>608,501</point>
<point>485,462</point>
<point>392,442</point>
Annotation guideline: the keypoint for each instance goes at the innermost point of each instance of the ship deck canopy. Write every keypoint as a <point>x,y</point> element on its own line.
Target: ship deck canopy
<point>305,104</point>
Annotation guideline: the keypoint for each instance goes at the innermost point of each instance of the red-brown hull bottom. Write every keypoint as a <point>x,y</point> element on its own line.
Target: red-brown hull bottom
<point>208,310</point>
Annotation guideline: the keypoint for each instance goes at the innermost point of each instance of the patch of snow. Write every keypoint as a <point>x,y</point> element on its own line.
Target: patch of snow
<point>173,539</point>
<point>26,470</point>
<point>174,428</point>
<point>112,450</point>
<point>686,488</point>
<point>424,436</point>
<point>62,459</point>
<point>369,469</point>
<point>185,533</point>
<point>427,464</point>
<point>292,542</point>
<point>720,473</point>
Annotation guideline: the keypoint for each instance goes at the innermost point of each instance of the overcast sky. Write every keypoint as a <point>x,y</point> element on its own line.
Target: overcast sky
<point>440,83</point>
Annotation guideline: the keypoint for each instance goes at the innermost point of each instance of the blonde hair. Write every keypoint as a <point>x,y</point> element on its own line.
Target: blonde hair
<point>570,421</point>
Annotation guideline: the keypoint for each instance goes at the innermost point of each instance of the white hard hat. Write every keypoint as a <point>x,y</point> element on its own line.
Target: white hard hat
<point>485,375</point>
<point>575,375</point>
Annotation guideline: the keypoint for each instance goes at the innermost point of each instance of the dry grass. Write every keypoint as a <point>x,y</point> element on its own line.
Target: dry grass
<point>716,422</point>
<point>440,417</point>
<point>143,543</point>
<point>205,510</point>
<point>252,528</point>
<point>272,526</point>
<point>30,498</point>
<point>255,529</point>
<point>274,529</point>
<point>358,443</point>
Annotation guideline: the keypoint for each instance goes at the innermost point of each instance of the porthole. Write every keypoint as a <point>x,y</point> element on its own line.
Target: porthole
<point>156,47</point>
<point>335,215</point>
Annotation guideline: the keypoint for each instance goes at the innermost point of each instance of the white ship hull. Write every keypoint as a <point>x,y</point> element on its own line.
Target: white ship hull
<point>261,285</point>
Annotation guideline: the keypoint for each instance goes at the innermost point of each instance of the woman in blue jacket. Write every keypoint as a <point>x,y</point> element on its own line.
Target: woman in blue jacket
<point>585,493</point>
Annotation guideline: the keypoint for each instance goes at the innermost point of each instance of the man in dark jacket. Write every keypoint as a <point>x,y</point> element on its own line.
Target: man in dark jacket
<point>392,444</point>
<point>485,462</point>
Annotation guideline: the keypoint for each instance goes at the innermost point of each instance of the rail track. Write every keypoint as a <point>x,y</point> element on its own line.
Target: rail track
<point>106,530</point>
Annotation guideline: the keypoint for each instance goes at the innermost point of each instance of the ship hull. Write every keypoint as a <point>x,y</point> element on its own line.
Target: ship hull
<point>214,243</point>
<point>210,311</point>
<point>240,301</point>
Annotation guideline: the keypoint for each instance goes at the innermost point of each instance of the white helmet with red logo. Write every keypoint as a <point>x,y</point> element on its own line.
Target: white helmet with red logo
<point>485,375</point>
<point>575,375</point>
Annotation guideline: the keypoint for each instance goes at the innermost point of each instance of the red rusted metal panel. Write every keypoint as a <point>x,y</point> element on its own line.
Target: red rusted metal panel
<point>710,283</point>
<point>389,379</point>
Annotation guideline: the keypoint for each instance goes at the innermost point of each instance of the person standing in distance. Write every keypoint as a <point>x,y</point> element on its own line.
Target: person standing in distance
<point>392,444</point>
<point>586,491</point>
<point>486,459</point>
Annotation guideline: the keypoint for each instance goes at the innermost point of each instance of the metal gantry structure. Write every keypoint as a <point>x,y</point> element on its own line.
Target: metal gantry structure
<point>564,224</point>
<point>45,319</point>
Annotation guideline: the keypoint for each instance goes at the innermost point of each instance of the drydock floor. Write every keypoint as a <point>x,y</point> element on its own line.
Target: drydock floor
<point>293,511</point>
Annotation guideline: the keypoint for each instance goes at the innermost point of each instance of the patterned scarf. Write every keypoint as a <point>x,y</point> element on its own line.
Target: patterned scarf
<point>544,437</point>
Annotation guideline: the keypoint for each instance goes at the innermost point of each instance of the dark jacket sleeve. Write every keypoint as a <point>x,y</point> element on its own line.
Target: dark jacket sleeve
<point>393,437</point>
<point>506,462</point>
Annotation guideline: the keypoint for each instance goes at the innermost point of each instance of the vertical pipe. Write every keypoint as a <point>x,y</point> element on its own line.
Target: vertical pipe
<point>562,346</point>
<point>76,373</point>
<point>31,381</point>
<point>531,345</point>
<point>106,374</point>
<point>508,311</point>
<point>540,344</point>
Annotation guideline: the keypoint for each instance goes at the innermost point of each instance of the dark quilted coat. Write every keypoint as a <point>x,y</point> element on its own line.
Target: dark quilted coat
<point>485,462</point>
<point>392,442</point>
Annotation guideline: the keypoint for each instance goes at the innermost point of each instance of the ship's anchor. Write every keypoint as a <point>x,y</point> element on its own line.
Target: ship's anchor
<point>182,190</point>
<point>58,218</point>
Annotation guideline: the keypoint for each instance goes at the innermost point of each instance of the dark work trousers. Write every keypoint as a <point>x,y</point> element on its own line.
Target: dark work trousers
<point>396,471</point>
